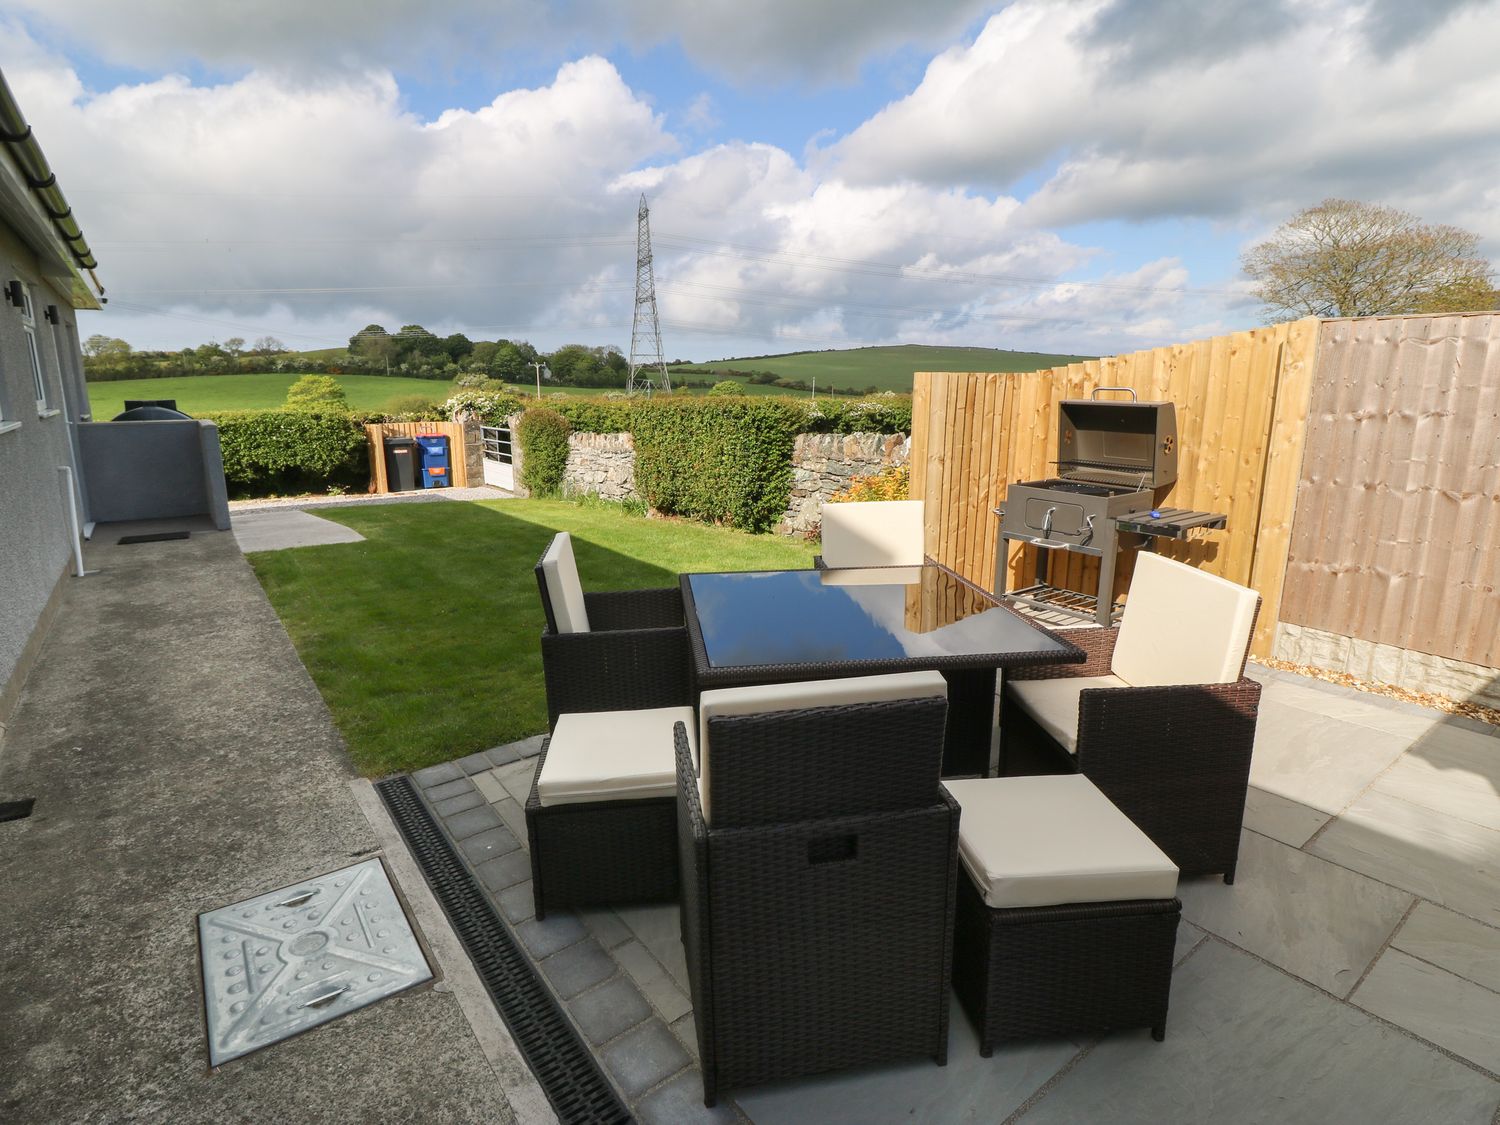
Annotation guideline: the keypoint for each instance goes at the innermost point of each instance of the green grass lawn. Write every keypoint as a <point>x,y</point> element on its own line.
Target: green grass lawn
<point>889,368</point>
<point>424,638</point>
<point>204,394</point>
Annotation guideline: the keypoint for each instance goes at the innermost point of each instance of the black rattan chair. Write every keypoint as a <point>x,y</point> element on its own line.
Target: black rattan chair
<point>817,897</point>
<point>1161,717</point>
<point>618,651</point>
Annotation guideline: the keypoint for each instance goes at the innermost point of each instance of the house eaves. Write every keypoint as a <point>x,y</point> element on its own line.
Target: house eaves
<point>32,204</point>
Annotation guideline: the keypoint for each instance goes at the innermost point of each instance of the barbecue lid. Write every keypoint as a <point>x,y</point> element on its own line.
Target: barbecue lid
<point>1116,442</point>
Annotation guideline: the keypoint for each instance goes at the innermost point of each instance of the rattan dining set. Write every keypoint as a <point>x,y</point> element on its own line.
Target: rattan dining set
<point>791,756</point>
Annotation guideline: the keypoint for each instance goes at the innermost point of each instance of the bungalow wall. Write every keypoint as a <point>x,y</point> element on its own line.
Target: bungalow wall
<point>35,535</point>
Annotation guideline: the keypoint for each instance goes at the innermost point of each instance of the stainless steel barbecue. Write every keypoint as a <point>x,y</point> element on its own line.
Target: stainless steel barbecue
<point>1116,461</point>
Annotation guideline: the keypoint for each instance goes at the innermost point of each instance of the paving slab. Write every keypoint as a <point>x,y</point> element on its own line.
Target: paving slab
<point>680,1102</point>
<point>1438,1005</point>
<point>1443,859</point>
<point>1351,706</point>
<point>659,928</point>
<point>579,966</point>
<point>279,529</point>
<point>1453,942</point>
<point>641,1058</point>
<point>611,1009</point>
<point>228,781</point>
<point>1246,1043</point>
<point>1308,916</point>
<point>1282,819</point>
<point>969,1088</point>
<point>1316,760</point>
<point>1450,771</point>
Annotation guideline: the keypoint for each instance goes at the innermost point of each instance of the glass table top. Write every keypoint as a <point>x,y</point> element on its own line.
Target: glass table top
<point>881,614</point>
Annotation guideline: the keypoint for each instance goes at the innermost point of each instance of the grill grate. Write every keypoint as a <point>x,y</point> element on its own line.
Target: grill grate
<point>563,1066</point>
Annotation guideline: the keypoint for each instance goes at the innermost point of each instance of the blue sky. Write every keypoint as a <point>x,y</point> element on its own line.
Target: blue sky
<point>1065,175</point>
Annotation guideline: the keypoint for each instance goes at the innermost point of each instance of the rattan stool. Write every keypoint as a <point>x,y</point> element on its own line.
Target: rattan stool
<point>602,813</point>
<point>1067,914</point>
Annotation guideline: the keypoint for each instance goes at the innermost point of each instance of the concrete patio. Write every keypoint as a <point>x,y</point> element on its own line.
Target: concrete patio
<point>182,759</point>
<point>1352,973</point>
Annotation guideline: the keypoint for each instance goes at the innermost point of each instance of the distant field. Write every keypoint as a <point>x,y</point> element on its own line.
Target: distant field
<point>204,394</point>
<point>889,369</point>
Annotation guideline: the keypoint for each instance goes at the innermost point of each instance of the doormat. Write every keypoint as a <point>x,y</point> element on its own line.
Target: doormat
<point>16,810</point>
<point>285,962</point>
<point>156,537</point>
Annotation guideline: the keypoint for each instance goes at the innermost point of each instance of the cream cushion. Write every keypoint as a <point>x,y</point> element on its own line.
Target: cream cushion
<point>1182,625</point>
<point>564,590</point>
<point>761,698</point>
<point>1053,841</point>
<point>873,533</point>
<point>612,755</point>
<point>1054,703</point>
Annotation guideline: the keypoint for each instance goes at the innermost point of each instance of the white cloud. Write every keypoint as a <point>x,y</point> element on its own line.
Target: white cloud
<point>813,42</point>
<point>250,196</point>
<point>1308,107</point>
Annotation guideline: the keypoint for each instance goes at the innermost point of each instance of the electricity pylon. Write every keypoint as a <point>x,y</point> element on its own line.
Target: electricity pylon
<point>645,328</point>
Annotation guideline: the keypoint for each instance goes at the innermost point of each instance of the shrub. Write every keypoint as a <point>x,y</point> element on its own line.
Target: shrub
<point>544,450</point>
<point>880,415</point>
<point>491,407</point>
<point>282,452</point>
<point>725,460</point>
<point>414,408</point>
<point>727,387</point>
<point>893,483</point>
<point>317,392</point>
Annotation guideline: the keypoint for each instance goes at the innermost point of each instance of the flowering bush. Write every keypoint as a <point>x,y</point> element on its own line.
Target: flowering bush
<point>893,483</point>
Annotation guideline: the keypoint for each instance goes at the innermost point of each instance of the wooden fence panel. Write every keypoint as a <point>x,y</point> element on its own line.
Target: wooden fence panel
<point>1397,532</point>
<point>1241,401</point>
<point>454,431</point>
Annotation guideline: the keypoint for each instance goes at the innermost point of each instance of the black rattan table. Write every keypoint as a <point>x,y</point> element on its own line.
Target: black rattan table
<point>766,627</point>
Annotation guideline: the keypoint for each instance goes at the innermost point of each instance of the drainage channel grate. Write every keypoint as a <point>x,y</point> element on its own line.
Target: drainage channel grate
<point>563,1066</point>
<point>154,537</point>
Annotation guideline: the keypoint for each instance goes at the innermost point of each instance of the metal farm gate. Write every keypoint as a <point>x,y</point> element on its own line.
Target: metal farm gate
<point>497,463</point>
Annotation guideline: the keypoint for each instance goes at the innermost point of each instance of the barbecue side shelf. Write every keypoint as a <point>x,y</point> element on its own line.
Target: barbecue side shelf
<point>1144,527</point>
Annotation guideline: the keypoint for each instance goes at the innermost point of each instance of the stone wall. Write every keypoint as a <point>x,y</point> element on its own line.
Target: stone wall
<point>1386,664</point>
<point>603,464</point>
<point>823,463</point>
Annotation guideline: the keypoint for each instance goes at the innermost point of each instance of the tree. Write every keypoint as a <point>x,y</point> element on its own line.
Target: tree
<point>269,345</point>
<point>234,345</point>
<point>104,346</point>
<point>316,392</point>
<point>368,340</point>
<point>1346,258</point>
<point>457,346</point>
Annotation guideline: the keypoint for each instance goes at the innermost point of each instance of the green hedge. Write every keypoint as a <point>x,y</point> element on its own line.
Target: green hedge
<point>543,434</point>
<point>289,452</point>
<point>725,460</point>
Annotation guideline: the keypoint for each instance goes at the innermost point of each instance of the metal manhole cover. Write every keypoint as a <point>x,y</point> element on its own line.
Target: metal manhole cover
<point>301,956</point>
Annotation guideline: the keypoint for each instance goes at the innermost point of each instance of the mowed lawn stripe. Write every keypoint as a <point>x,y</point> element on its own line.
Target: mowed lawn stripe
<point>423,639</point>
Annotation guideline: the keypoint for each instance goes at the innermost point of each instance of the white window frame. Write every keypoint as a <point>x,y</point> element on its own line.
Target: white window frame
<point>39,377</point>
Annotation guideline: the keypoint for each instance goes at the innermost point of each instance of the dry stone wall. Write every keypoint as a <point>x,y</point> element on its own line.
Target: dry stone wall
<point>823,463</point>
<point>603,464</point>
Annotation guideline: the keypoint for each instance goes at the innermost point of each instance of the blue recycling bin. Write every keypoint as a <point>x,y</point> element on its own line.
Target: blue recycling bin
<point>435,470</point>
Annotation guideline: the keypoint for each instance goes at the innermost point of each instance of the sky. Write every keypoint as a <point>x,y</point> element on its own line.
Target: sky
<point>1076,176</point>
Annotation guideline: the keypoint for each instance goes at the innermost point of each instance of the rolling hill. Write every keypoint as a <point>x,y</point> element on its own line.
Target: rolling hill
<point>885,368</point>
